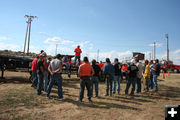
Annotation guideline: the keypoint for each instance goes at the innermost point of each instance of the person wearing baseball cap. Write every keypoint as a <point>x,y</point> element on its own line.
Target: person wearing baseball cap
<point>117,76</point>
<point>132,71</point>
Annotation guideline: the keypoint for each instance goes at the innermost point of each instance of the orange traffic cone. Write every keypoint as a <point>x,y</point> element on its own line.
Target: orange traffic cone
<point>168,73</point>
<point>163,75</point>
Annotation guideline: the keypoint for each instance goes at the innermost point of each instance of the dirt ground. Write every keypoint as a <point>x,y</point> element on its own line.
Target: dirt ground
<point>18,101</point>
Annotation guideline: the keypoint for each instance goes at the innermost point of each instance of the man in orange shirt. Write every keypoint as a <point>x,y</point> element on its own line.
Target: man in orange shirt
<point>77,54</point>
<point>85,72</point>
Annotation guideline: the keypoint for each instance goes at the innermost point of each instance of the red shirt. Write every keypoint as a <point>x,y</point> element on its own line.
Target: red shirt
<point>101,65</point>
<point>124,68</point>
<point>34,64</point>
<point>70,63</point>
<point>77,52</point>
<point>85,69</point>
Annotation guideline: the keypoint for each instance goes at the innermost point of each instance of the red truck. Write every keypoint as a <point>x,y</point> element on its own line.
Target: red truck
<point>169,66</point>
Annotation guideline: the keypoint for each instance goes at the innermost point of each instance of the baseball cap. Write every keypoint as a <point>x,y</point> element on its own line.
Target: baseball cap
<point>116,59</point>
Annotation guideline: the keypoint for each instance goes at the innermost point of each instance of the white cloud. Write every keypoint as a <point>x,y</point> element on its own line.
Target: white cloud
<point>82,44</point>
<point>43,33</point>
<point>157,45</point>
<point>53,40</point>
<point>3,38</point>
<point>13,47</point>
<point>58,40</point>
<point>51,50</point>
<point>112,55</point>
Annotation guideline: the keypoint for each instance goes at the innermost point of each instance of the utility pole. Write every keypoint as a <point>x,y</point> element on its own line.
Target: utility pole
<point>149,56</point>
<point>97,55</point>
<point>28,30</point>
<point>154,50</point>
<point>56,49</point>
<point>26,38</point>
<point>152,55</point>
<point>167,47</point>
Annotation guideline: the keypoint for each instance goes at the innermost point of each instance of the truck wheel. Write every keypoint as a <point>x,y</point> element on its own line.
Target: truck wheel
<point>175,71</point>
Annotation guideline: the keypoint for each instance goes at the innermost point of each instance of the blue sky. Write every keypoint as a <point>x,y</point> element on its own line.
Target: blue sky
<point>115,27</point>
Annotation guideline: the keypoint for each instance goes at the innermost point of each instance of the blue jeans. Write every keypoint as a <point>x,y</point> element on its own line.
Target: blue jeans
<point>151,81</point>
<point>85,81</point>
<point>138,85</point>
<point>95,80</point>
<point>45,80</point>
<point>109,81</point>
<point>77,58</point>
<point>116,78</point>
<point>125,74</point>
<point>40,82</point>
<point>131,80</point>
<point>155,82</point>
<point>34,77</point>
<point>67,66</point>
<point>56,77</point>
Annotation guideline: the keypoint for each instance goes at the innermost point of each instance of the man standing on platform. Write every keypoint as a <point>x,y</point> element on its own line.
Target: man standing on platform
<point>77,55</point>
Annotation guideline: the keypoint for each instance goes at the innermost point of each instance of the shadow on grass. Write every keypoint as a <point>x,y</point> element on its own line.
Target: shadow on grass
<point>169,92</point>
<point>17,80</point>
<point>71,84</point>
<point>126,99</point>
<point>101,105</point>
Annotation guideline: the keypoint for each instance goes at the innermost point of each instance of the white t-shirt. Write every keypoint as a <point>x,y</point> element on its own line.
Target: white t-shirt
<point>140,72</point>
<point>55,64</point>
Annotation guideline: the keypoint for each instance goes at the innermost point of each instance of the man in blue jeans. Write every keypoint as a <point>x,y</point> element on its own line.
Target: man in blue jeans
<point>132,70</point>
<point>55,69</point>
<point>95,77</point>
<point>151,84</point>
<point>40,73</point>
<point>139,75</point>
<point>108,71</point>
<point>156,73</point>
<point>34,72</point>
<point>117,76</point>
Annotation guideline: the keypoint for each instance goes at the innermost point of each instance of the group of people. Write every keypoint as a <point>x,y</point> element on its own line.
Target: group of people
<point>44,70</point>
<point>90,73</point>
<point>135,73</point>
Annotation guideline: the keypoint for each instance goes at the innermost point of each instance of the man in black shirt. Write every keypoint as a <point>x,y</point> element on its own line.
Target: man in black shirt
<point>156,73</point>
<point>95,77</point>
<point>132,70</point>
<point>40,72</point>
<point>117,76</point>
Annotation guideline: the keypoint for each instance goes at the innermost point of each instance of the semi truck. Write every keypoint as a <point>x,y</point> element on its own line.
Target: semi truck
<point>169,66</point>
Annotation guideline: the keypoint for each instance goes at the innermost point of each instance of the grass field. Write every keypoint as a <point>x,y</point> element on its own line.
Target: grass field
<point>18,101</point>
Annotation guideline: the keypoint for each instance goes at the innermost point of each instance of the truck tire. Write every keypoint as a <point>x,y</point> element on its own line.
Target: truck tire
<point>175,71</point>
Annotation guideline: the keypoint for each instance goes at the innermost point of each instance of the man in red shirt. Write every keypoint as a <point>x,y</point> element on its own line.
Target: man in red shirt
<point>124,70</point>
<point>77,54</point>
<point>34,71</point>
<point>85,72</point>
<point>101,65</point>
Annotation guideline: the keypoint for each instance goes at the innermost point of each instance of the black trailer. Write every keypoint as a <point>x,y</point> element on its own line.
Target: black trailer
<point>23,64</point>
<point>15,63</point>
